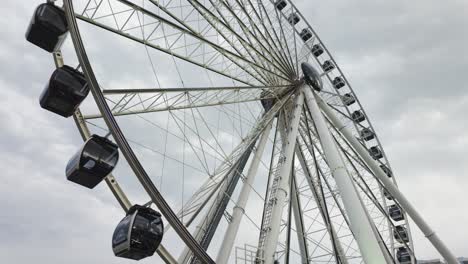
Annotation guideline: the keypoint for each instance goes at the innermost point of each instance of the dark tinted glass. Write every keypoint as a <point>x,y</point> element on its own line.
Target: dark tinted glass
<point>103,157</point>
<point>121,231</point>
<point>141,223</point>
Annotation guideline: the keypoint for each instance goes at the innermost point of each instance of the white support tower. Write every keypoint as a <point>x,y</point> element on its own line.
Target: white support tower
<point>388,184</point>
<point>280,187</point>
<point>239,208</point>
<point>313,185</point>
<point>358,217</point>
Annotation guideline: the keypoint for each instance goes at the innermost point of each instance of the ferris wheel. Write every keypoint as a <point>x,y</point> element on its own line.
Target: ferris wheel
<point>248,141</point>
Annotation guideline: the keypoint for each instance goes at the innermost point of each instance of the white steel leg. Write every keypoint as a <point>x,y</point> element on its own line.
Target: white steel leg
<point>392,189</point>
<point>271,238</point>
<point>238,211</point>
<point>360,223</point>
<point>298,218</point>
<point>314,188</point>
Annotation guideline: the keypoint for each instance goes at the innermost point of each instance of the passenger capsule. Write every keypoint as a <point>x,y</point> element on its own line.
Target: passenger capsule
<point>396,213</point>
<point>138,234</point>
<point>48,27</point>
<point>348,99</point>
<point>338,82</point>
<point>293,19</point>
<point>357,116</point>
<point>366,134</point>
<point>93,162</point>
<point>375,152</point>
<point>280,4</point>
<point>400,234</point>
<point>328,66</point>
<point>306,34</point>
<point>317,50</point>
<point>403,255</point>
<point>311,76</point>
<point>66,90</point>
<point>386,170</point>
<point>387,194</point>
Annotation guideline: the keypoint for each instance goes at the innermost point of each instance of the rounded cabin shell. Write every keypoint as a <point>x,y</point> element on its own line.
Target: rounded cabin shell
<point>305,34</point>
<point>138,234</point>
<point>317,50</point>
<point>48,27</point>
<point>93,162</point>
<point>348,99</point>
<point>358,116</point>
<point>403,255</point>
<point>338,82</point>
<point>396,213</point>
<point>65,91</point>
<point>366,134</point>
<point>328,66</point>
<point>375,152</point>
<point>293,19</point>
<point>400,234</point>
<point>280,4</point>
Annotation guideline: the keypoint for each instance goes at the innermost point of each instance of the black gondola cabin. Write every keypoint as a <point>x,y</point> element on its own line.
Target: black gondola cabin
<point>375,152</point>
<point>348,99</point>
<point>65,91</point>
<point>280,4</point>
<point>93,162</point>
<point>317,50</point>
<point>366,134</point>
<point>403,255</point>
<point>305,34</point>
<point>328,66</point>
<point>293,19</point>
<point>400,234</point>
<point>338,82</point>
<point>358,116</point>
<point>48,27</point>
<point>396,213</point>
<point>139,234</point>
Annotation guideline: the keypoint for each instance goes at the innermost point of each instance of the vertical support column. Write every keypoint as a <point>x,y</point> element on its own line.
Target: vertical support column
<point>317,193</point>
<point>358,218</point>
<point>299,221</point>
<point>392,189</point>
<point>270,239</point>
<point>238,211</point>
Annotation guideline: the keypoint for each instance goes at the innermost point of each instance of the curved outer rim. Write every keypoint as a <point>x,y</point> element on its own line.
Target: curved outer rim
<point>379,144</point>
<point>116,132</point>
<point>133,160</point>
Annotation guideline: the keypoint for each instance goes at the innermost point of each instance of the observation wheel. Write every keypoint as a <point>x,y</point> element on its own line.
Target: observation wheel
<point>234,121</point>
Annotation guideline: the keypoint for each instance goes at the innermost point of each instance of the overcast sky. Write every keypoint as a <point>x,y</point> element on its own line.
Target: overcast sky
<point>406,60</point>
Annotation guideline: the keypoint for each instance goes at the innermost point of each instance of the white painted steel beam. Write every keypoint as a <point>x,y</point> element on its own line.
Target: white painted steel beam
<point>388,184</point>
<point>239,208</point>
<point>272,236</point>
<point>360,223</point>
<point>314,188</point>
